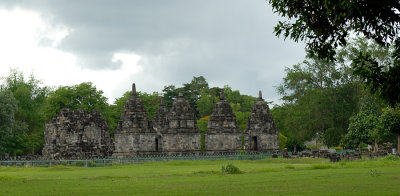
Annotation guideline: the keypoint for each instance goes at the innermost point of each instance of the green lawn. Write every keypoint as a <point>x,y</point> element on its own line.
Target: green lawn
<point>259,177</point>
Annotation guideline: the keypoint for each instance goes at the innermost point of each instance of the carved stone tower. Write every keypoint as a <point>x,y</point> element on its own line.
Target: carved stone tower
<point>134,135</point>
<point>181,135</point>
<point>261,133</point>
<point>223,134</point>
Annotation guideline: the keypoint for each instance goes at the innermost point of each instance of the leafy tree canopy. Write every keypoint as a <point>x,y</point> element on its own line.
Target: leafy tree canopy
<point>326,24</point>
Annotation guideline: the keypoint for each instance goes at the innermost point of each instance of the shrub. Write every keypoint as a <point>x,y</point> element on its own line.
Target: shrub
<point>282,141</point>
<point>230,169</point>
<point>289,166</point>
<point>336,148</point>
<point>391,158</point>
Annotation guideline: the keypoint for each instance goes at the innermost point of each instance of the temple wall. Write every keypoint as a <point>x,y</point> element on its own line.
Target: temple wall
<point>223,142</point>
<point>181,143</point>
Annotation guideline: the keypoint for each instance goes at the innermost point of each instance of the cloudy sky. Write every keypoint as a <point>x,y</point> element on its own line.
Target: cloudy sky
<point>152,43</point>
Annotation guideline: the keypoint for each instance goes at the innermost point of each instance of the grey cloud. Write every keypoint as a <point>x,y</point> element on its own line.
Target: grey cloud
<point>228,42</point>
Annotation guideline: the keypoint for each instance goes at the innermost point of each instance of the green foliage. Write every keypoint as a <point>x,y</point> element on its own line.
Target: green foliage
<point>320,97</point>
<point>390,119</point>
<point>206,102</point>
<point>230,169</point>
<point>242,118</point>
<point>391,158</point>
<point>325,25</point>
<point>321,166</point>
<point>8,108</point>
<point>374,173</point>
<point>202,125</point>
<point>282,141</point>
<point>390,122</point>
<point>361,127</point>
<point>81,96</point>
<point>368,125</point>
<point>380,79</point>
<point>191,92</point>
<point>27,121</point>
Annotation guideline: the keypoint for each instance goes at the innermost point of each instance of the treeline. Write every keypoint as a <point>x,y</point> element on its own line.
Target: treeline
<point>327,102</point>
<point>25,106</point>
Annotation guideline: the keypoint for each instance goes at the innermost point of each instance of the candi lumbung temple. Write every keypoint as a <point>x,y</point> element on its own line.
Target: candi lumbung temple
<point>79,134</point>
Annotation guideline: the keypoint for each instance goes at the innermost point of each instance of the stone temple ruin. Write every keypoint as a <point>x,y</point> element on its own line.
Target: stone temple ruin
<point>134,135</point>
<point>223,134</point>
<point>261,134</point>
<point>79,134</point>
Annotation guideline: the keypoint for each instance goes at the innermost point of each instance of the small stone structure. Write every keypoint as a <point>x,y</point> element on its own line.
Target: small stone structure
<point>134,135</point>
<point>261,134</point>
<point>223,134</point>
<point>181,135</point>
<point>76,134</point>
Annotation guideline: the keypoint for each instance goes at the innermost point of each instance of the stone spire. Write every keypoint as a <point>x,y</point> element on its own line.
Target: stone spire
<point>162,103</point>
<point>160,119</point>
<point>260,117</point>
<point>222,96</point>
<point>181,116</point>
<point>260,95</point>
<point>134,118</point>
<point>133,89</point>
<point>222,119</point>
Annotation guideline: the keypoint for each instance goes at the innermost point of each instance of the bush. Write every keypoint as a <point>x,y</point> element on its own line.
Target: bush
<point>336,148</point>
<point>282,141</point>
<point>391,158</point>
<point>230,169</point>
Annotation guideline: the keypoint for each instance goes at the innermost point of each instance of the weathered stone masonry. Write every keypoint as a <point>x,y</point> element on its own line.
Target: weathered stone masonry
<point>134,134</point>
<point>78,134</point>
<point>261,134</point>
<point>223,134</point>
<point>181,135</point>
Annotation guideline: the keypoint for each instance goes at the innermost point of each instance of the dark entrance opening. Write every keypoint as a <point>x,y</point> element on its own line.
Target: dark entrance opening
<point>156,144</point>
<point>254,143</point>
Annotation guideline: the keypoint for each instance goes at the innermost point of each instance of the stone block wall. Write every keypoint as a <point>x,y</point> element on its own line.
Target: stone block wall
<point>223,142</point>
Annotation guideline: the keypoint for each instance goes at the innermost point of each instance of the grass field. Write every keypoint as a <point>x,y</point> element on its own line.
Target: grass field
<point>258,177</point>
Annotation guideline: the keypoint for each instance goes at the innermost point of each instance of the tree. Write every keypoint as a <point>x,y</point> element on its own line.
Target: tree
<point>361,129</point>
<point>28,125</point>
<point>319,97</point>
<point>325,25</point>
<point>380,79</point>
<point>8,108</point>
<point>81,96</point>
<point>390,121</point>
<point>205,104</point>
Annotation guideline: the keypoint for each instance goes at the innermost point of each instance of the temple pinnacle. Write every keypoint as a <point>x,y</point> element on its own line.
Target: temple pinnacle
<point>222,96</point>
<point>133,89</point>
